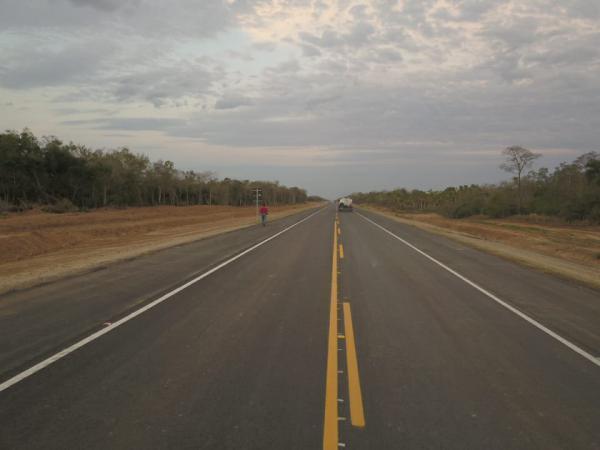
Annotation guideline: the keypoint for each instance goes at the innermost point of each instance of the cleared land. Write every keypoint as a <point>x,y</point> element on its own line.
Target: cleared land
<point>570,251</point>
<point>37,247</point>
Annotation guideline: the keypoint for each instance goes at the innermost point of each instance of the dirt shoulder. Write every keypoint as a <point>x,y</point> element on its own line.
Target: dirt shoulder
<point>571,252</point>
<point>38,247</point>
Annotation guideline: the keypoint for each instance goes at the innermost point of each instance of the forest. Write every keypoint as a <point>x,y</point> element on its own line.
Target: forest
<point>570,191</point>
<point>62,177</point>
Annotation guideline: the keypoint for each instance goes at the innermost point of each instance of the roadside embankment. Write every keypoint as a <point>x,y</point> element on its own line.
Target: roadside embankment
<point>37,247</point>
<point>569,251</point>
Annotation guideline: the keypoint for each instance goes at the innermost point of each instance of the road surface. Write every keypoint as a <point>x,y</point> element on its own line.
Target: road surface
<point>311,333</point>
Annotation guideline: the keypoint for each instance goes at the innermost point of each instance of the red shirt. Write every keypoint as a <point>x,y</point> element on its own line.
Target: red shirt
<point>264,211</point>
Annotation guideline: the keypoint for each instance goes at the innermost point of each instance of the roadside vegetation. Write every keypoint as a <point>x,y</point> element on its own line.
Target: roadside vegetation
<point>69,177</point>
<point>570,192</point>
<point>549,220</point>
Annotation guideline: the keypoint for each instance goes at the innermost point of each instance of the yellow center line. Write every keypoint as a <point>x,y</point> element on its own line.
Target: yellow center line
<point>357,415</point>
<point>330,428</point>
<point>341,251</point>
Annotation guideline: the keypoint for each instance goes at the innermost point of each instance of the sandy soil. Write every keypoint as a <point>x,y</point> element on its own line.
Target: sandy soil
<point>37,247</point>
<point>569,251</point>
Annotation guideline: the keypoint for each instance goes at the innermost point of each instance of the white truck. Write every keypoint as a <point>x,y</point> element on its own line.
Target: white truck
<point>345,204</point>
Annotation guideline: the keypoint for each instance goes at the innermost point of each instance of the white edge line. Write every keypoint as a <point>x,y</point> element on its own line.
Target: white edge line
<point>92,337</point>
<point>512,309</point>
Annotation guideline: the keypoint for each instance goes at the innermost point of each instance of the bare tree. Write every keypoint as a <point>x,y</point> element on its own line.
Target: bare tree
<point>517,160</point>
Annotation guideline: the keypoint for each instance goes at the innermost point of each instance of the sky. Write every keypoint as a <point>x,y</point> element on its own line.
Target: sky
<point>335,96</point>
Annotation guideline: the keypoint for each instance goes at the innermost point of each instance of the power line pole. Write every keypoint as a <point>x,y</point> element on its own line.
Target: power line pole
<point>258,196</point>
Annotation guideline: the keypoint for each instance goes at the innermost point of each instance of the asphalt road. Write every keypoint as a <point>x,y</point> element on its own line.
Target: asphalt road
<point>328,335</point>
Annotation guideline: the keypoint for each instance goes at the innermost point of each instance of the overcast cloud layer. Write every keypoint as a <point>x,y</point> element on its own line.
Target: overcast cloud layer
<point>332,95</point>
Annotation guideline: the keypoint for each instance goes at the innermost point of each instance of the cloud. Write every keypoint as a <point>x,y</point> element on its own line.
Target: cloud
<point>92,69</point>
<point>513,34</point>
<point>310,50</point>
<point>162,85</point>
<point>114,19</point>
<point>579,8</point>
<point>128,123</point>
<point>32,67</point>
<point>232,102</point>
<point>290,66</point>
<point>102,5</point>
<point>468,10</point>
<point>345,82</point>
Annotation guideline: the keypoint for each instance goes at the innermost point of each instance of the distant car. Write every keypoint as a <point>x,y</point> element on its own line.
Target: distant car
<point>345,204</point>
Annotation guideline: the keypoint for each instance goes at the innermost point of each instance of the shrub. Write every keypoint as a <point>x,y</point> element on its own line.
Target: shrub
<point>61,206</point>
<point>6,207</point>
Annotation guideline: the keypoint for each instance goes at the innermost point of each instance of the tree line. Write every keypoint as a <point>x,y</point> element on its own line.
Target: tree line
<point>48,172</point>
<point>570,191</point>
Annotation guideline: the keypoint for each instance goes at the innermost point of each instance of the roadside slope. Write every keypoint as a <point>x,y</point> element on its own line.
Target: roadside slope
<point>551,250</point>
<point>38,247</point>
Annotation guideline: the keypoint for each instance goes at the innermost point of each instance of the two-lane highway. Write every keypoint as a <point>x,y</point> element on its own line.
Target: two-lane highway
<point>313,333</point>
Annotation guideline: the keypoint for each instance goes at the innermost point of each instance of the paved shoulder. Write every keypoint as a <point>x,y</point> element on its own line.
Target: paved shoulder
<point>568,308</point>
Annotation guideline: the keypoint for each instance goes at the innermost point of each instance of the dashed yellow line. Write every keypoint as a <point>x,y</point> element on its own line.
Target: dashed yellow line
<point>330,428</point>
<point>357,415</point>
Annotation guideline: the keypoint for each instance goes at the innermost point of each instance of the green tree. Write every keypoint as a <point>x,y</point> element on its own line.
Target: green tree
<point>517,160</point>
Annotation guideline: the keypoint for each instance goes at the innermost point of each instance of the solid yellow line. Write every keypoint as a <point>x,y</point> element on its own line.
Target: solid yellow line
<point>357,415</point>
<point>330,427</point>
<point>341,251</point>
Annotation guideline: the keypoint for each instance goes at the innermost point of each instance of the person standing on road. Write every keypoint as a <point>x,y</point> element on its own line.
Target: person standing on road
<point>264,212</point>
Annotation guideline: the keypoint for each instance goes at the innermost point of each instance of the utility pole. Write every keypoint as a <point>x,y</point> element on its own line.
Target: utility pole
<point>257,196</point>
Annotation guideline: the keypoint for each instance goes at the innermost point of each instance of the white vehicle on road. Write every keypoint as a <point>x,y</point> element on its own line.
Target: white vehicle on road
<point>345,204</point>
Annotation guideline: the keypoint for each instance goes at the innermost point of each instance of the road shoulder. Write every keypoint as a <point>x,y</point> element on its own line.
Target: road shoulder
<point>589,276</point>
<point>86,256</point>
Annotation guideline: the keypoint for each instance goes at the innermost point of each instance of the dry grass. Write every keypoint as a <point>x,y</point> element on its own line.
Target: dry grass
<point>571,251</point>
<point>38,247</point>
